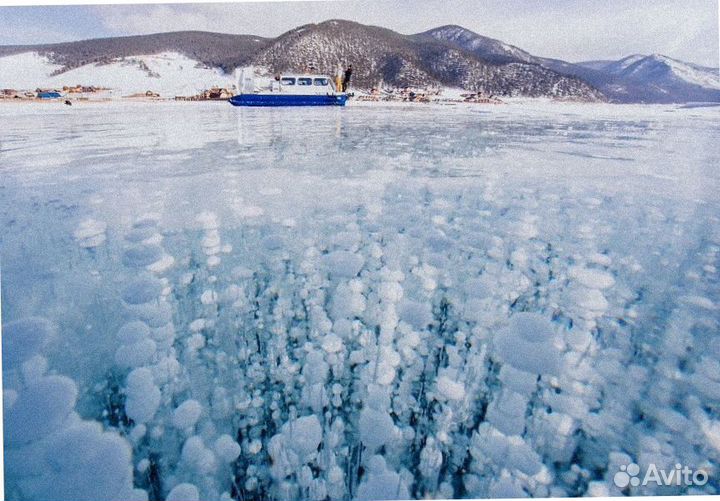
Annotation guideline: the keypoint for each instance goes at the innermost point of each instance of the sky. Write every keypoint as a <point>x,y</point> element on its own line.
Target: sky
<point>573,30</point>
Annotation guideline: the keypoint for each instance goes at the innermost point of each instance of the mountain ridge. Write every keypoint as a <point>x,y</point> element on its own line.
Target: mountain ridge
<point>448,55</point>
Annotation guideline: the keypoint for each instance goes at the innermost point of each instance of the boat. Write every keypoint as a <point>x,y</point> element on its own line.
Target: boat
<point>288,90</point>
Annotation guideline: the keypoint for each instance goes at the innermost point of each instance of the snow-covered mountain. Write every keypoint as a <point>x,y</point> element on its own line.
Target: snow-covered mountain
<point>662,78</point>
<point>657,69</point>
<point>380,56</point>
<point>182,63</point>
<point>636,78</point>
<point>168,74</point>
<point>486,48</point>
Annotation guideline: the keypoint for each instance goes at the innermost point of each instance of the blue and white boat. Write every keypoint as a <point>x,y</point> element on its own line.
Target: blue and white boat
<point>288,90</point>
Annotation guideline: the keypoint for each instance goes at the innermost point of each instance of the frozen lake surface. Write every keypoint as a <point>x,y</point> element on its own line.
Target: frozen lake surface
<point>373,302</point>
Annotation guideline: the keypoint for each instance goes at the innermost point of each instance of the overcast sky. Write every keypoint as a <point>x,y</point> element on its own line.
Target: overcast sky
<point>573,30</point>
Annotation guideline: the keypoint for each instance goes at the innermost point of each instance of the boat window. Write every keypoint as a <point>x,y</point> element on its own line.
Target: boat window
<point>320,82</point>
<point>287,81</point>
<point>304,81</point>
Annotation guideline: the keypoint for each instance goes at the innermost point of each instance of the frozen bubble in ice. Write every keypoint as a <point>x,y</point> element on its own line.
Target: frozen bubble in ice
<point>85,463</point>
<point>419,315</point>
<point>315,368</point>
<point>450,389</point>
<point>208,220</point>
<point>21,339</point>
<point>40,408</point>
<point>183,492</point>
<point>699,301</point>
<point>343,263</point>
<point>143,397</point>
<point>208,297</point>
<point>159,315</point>
<point>195,454</point>
<point>132,332</point>
<point>376,428</point>
<point>135,354</point>
<point>90,233</point>
<point>346,303</point>
<point>162,265</point>
<point>142,290</point>
<point>332,343</point>
<point>391,292</point>
<point>592,278</point>
<point>305,434</point>
<point>590,299</point>
<point>528,344</point>
<point>381,483</point>
<point>187,414</point>
<point>226,448</point>
<point>139,256</point>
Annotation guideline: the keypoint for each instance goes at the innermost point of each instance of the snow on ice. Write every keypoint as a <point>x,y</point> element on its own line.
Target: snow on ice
<point>201,302</point>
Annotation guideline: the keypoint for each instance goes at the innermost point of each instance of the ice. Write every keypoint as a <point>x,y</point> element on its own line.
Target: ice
<point>356,303</point>
<point>227,449</point>
<point>142,291</point>
<point>187,414</point>
<point>40,409</point>
<point>453,390</point>
<point>22,339</point>
<point>381,483</point>
<point>376,428</point>
<point>143,397</point>
<point>528,344</point>
<point>183,492</point>
<point>343,263</point>
<point>90,233</point>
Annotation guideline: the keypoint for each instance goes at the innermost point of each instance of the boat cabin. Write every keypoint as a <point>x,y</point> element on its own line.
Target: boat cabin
<point>303,84</point>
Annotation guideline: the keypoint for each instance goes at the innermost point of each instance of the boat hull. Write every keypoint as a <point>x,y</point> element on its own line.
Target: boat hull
<point>287,100</point>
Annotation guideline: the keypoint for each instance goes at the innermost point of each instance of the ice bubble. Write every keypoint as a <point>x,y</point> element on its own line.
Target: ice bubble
<point>208,220</point>
<point>162,265</point>
<point>590,299</point>
<point>506,487</point>
<point>391,292</point>
<point>90,233</point>
<point>132,332</point>
<point>84,463</point>
<point>343,264</point>
<point>143,397</point>
<point>381,483</point>
<point>332,343</point>
<point>138,235</point>
<point>183,492</point>
<point>304,435</point>
<point>40,408</point>
<point>376,428</point>
<point>21,339</point>
<point>142,290</point>
<point>226,448</point>
<point>451,390</point>
<point>187,414</point>
<point>195,453</point>
<point>528,344</point>
<point>135,354</point>
<point>591,278</point>
<point>346,303</point>
<point>417,314</point>
<point>140,256</point>
<point>208,297</point>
